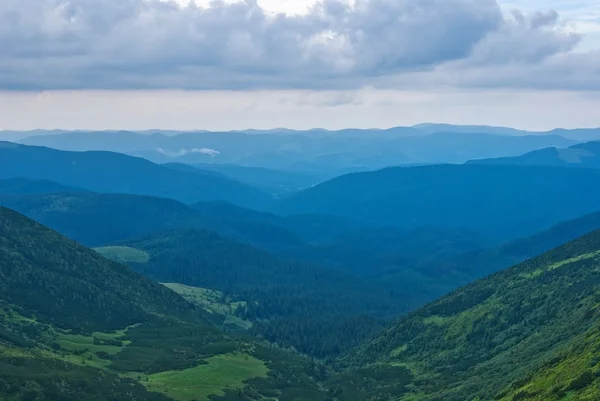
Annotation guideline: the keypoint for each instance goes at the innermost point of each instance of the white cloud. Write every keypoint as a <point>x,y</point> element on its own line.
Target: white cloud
<point>184,152</point>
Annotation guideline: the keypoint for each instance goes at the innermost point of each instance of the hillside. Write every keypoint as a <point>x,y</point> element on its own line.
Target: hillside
<point>55,292</point>
<point>585,155</point>
<point>317,310</point>
<point>74,326</point>
<point>527,333</point>
<point>278,182</point>
<point>102,219</point>
<point>480,263</point>
<point>99,219</point>
<point>24,186</point>
<point>119,173</point>
<point>498,202</point>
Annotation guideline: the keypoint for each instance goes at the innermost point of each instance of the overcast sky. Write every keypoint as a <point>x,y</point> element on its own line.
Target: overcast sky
<point>139,64</point>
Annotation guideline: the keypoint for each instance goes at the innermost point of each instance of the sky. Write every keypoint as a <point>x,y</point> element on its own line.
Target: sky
<point>223,65</point>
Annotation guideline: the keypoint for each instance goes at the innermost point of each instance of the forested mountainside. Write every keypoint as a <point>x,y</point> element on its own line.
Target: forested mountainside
<point>499,202</point>
<point>100,219</point>
<point>583,155</point>
<point>317,310</point>
<point>73,280</point>
<point>119,173</point>
<point>361,275</point>
<point>527,333</point>
<point>96,219</point>
<point>357,247</point>
<point>480,263</point>
<point>76,326</point>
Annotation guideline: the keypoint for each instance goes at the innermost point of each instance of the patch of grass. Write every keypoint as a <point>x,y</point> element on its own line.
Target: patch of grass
<point>437,320</point>
<point>213,302</point>
<point>539,272</point>
<point>223,372</point>
<point>398,351</point>
<point>78,343</point>
<point>124,254</point>
<point>573,374</point>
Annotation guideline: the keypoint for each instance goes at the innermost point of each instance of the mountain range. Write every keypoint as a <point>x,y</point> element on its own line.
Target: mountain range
<point>316,152</point>
<point>497,201</point>
<point>305,274</point>
<point>118,173</point>
<point>584,155</point>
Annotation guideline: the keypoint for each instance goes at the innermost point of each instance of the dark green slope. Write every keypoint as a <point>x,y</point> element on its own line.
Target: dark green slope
<point>76,326</point>
<point>500,202</point>
<point>317,310</point>
<point>119,173</point>
<point>49,284</point>
<point>584,155</point>
<point>101,219</point>
<point>482,263</point>
<point>528,333</point>
<point>74,280</point>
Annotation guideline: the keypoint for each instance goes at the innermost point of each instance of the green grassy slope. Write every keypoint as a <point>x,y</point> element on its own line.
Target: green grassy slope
<point>221,309</point>
<point>75,326</point>
<point>527,333</point>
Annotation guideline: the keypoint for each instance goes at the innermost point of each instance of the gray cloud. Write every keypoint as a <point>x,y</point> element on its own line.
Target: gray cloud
<point>143,44</point>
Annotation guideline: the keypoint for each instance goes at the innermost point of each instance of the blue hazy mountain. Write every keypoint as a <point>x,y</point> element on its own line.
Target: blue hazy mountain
<point>584,155</point>
<point>322,152</point>
<point>500,202</point>
<point>119,173</point>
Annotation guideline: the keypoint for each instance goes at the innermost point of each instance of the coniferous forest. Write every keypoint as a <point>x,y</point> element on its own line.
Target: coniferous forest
<point>125,295</point>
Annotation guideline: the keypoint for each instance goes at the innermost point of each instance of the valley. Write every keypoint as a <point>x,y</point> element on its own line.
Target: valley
<point>128,279</point>
<point>299,200</point>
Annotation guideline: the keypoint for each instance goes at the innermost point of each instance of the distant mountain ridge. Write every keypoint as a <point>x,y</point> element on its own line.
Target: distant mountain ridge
<point>584,155</point>
<point>577,134</point>
<point>277,182</point>
<point>320,152</point>
<point>119,173</point>
<point>497,201</point>
<point>24,186</point>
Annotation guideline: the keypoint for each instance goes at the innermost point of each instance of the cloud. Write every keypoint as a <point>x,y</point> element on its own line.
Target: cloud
<point>184,152</point>
<point>152,44</point>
